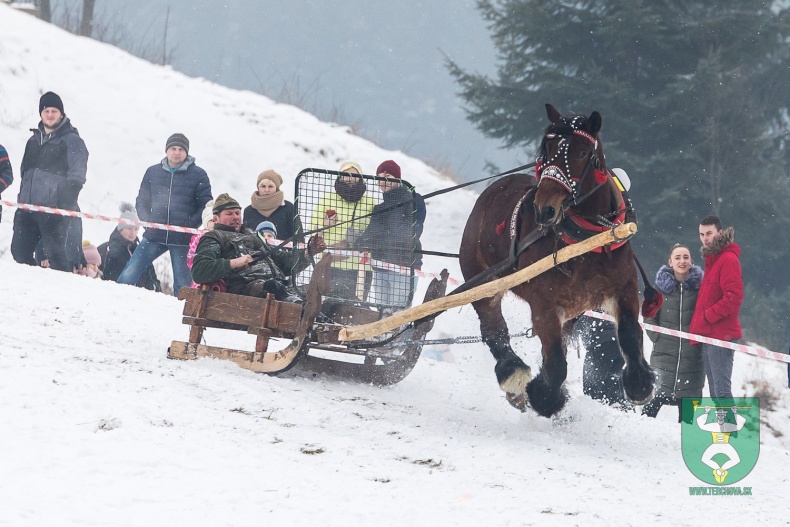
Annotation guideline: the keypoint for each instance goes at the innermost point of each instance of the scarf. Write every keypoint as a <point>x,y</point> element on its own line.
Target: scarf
<point>350,192</point>
<point>266,205</point>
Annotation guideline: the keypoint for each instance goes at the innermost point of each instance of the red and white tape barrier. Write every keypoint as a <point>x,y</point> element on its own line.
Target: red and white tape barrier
<point>751,350</point>
<point>75,214</point>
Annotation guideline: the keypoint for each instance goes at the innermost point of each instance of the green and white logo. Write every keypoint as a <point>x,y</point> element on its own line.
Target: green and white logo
<point>720,438</point>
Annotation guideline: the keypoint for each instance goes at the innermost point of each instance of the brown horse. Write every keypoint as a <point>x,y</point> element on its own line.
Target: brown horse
<point>573,198</point>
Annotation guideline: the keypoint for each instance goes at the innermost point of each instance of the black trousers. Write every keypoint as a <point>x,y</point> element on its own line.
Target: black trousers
<point>260,288</point>
<point>603,363</point>
<point>50,233</point>
<point>652,408</point>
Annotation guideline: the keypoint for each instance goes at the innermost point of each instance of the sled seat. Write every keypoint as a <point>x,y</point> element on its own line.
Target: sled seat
<point>259,316</point>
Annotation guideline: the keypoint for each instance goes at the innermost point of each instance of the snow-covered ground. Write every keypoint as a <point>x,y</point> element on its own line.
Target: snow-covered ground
<point>98,428</point>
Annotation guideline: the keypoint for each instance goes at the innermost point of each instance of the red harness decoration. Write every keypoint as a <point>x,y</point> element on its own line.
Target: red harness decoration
<point>594,229</point>
<point>600,178</point>
<point>582,228</point>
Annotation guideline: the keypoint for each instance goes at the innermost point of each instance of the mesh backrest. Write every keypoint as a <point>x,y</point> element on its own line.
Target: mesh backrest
<point>373,250</point>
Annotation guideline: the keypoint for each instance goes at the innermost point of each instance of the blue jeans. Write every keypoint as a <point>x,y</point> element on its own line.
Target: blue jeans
<point>718,369</point>
<point>149,251</point>
<point>391,288</point>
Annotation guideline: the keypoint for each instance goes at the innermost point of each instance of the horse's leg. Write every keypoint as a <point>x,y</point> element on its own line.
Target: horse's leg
<point>511,372</point>
<point>638,377</point>
<point>546,392</point>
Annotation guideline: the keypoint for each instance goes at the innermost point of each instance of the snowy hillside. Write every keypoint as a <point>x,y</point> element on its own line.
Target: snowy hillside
<point>100,429</point>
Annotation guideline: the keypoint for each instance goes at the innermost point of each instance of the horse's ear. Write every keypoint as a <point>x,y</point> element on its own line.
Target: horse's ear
<point>595,123</point>
<point>553,114</point>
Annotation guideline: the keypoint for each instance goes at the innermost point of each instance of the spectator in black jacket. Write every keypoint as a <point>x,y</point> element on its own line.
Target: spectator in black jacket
<point>53,172</point>
<point>117,252</point>
<point>268,204</point>
<point>6,174</point>
<point>603,362</point>
<point>393,236</point>
<point>172,192</point>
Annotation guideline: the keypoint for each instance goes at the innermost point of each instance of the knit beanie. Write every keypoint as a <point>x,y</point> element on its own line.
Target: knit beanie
<point>348,165</point>
<point>127,213</point>
<point>267,226</point>
<point>224,201</point>
<point>390,167</point>
<point>276,178</point>
<point>50,100</point>
<point>178,140</point>
<point>91,253</point>
<point>208,213</point>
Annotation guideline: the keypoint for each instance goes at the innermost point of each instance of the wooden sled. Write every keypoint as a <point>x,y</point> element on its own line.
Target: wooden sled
<point>386,361</point>
<point>264,317</point>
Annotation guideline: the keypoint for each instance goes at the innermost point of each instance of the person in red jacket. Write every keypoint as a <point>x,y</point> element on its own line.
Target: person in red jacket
<point>718,303</point>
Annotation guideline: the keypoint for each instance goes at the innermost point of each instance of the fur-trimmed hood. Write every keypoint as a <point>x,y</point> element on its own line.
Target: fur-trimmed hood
<point>722,239</point>
<point>667,284</point>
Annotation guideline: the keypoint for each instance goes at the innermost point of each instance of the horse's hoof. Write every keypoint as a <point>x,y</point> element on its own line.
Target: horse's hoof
<point>517,401</point>
<point>638,384</point>
<point>513,375</point>
<point>546,400</point>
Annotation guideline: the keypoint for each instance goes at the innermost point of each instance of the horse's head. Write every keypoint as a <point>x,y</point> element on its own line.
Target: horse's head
<point>569,153</point>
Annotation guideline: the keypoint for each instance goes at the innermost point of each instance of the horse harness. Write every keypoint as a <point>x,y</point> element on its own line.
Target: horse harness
<point>573,228</point>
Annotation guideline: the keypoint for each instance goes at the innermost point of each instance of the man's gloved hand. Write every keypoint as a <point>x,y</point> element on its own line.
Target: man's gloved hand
<point>316,245</point>
<point>242,261</point>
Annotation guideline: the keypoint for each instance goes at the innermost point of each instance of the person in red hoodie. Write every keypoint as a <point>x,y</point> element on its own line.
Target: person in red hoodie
<point>718,303</point>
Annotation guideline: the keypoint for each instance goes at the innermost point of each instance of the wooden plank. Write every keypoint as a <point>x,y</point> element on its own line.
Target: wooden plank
<point>241,310</point>
<point>193,321</point>
<point>621,232</point>
<point>267,306</point>
<point>249,360</point>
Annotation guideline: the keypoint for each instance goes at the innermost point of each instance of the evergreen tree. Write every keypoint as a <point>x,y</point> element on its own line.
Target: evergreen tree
<point>694,105</point>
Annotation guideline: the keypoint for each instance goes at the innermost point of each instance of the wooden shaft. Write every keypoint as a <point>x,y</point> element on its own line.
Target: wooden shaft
<point>621,232</point>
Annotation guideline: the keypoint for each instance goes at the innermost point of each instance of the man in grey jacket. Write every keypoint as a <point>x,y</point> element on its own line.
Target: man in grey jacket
<point>53,172</point>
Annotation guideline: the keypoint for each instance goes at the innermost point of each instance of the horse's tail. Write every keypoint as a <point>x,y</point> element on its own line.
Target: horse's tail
<point>653,299</point>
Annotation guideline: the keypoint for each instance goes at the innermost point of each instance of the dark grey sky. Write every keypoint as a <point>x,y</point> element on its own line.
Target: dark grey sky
<point>375,64</point>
